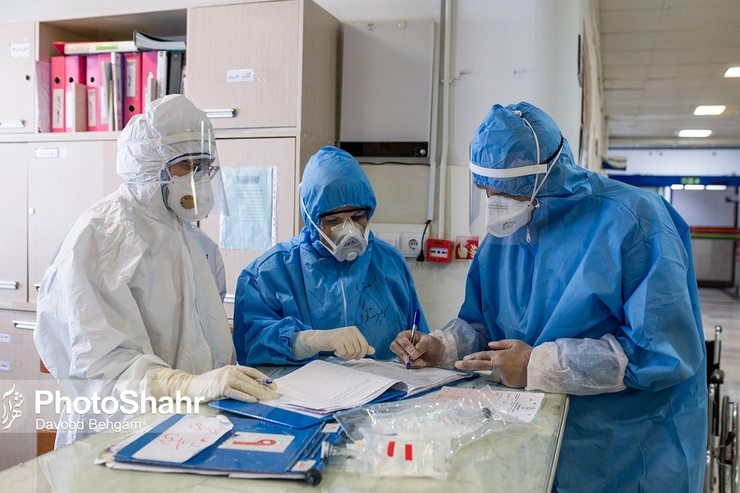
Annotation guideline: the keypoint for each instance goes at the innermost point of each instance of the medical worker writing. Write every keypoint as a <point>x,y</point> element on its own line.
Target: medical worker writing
<point>133,298</point>
<point>333,288</point>
<point>586,286</point>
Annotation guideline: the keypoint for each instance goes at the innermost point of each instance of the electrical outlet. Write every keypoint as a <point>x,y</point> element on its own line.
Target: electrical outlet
<point>411,244</point>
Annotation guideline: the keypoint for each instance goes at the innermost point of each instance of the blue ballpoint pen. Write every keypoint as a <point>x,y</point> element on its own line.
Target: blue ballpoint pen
<point>417,317</point>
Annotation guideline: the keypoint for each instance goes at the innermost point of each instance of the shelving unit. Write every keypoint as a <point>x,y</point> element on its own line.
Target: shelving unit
<point>280,119</point>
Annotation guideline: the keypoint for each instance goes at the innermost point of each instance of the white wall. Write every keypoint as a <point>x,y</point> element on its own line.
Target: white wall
<point>679,162</point>
<point>503,51</point>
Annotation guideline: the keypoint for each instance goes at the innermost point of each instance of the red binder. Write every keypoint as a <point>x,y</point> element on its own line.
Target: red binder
<point>132,86</point>
<point>56,87</point>
<point>74,72</point>
<point>93,93</point>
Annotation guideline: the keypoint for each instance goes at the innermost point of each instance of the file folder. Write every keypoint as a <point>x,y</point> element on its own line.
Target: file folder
<point>74,73</point>
<point>106,93</point>
<point>174,75</point>
<point>148,77</point>
<point>92,73</point>
<point>117,74</point>
<point>303,453</point>
<point>132,87</point>
<point>285,417</point>
<point>56,88</point>
<point>162,69</point>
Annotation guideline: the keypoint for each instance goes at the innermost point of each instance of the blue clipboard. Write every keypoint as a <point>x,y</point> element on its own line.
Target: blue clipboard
<point>304,458</point>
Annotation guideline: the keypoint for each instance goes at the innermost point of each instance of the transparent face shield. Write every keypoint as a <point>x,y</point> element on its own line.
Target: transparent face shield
<point>477,216</point>
<point>191,178</point>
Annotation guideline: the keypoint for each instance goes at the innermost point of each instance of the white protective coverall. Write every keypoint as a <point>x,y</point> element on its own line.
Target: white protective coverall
<point>132,287</point>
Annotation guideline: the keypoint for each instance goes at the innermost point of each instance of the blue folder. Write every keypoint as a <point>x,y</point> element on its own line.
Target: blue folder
<point>288,418</point>
<point>305,446</point>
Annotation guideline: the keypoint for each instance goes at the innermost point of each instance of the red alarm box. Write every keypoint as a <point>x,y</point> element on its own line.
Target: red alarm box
<point>439,250</point>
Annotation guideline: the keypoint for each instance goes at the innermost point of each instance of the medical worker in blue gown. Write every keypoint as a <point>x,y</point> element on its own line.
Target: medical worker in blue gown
<point>334,288</point>
<point>586,286</point>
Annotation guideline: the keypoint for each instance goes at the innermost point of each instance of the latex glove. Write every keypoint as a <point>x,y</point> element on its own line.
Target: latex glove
<point>425,350</point>
<point>237,382</point>
<point>506,359</point>
<point>346,342</point>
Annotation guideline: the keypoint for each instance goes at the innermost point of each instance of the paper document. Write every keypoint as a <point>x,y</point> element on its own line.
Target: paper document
<point>185,438</point>
<point>324,387</point>
<point>520,405</point>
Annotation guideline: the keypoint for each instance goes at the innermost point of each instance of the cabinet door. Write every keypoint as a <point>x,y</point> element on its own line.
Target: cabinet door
<point>64,179</point>
<point>20,371</point>
<point>13,203</point>
<point>257,153</point>
<point>17,78</point>
<point>246,57</point>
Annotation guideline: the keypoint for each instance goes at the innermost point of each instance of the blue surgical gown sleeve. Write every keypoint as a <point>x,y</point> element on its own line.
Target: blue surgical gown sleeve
<point>263,332</point>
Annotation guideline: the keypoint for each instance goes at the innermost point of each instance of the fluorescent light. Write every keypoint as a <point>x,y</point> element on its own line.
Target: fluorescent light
<point>694,187</point>
<point>717,109</point>
<point>676,187</point>
<point>733,72</point>
<point>716,187</point>
<point>694,133</point>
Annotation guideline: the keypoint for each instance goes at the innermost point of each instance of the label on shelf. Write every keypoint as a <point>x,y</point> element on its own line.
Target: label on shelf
<point>5,338</point>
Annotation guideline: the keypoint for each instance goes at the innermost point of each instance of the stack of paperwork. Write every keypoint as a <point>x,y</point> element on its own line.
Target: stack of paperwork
<point>321,387</point>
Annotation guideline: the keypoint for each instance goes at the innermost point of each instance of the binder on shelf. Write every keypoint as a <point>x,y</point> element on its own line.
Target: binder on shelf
<point>251,449</point>
<point>75,107</point>
<point>132,87</point>
<point>162,67</point>
<point>92,73</point>
<point>174,74</point>
<point>57,87</point>
<point>92,47</point>
<point>147,42</point>
<point>74,73</point>
<point>148,77</point>
<point>106,93</point>
<point>117,73</point>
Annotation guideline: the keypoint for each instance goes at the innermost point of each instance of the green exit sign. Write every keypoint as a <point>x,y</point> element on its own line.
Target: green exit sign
<point>690,180</point>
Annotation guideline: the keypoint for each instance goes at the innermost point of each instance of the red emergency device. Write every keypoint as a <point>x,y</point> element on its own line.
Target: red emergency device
<point>439,250</point>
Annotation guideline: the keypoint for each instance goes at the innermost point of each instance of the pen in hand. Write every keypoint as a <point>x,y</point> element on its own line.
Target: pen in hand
<point>263,381</point>
<point>417,316</point>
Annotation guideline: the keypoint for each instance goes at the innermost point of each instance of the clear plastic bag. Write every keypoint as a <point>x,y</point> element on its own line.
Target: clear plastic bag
<point>417,437</point>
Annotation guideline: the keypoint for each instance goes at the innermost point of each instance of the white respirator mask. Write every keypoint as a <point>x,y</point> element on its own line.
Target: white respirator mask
<point>347,240</point>
<point>189,197</point>
<point>505,215</point>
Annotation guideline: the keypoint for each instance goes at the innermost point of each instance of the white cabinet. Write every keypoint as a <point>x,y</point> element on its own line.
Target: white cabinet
<point>64,180</point>
<point>273,63</point>
<point>18,79</point>
<point>13,241</point>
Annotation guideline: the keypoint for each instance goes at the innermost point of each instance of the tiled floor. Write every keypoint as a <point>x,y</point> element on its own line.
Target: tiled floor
<point>720,308</point>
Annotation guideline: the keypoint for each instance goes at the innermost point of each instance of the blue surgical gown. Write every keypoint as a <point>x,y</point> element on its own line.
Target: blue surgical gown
<point>604,258</point>
<point>298,285</point>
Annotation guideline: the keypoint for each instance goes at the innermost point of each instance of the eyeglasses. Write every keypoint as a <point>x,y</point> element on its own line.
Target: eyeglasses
<point>198,166</point>
<point>332,219</point>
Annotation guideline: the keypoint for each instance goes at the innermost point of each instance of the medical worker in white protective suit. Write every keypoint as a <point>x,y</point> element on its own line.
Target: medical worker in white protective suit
<point>133,298</point>
<point>585,286</point>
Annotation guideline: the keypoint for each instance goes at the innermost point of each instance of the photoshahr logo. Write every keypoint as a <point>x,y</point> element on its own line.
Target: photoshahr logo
<point>12,405</point>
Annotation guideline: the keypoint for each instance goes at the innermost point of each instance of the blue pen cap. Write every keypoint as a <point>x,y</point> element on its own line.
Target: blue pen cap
<point>417,317</point>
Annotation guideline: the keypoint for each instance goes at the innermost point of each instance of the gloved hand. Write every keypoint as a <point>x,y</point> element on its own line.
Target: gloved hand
<point>427,350</point>
<point>346,342</point>
<point>507,359</point>
<point>232,381</point>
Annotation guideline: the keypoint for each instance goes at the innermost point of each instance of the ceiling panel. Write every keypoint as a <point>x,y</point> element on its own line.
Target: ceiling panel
<point>662,58</point>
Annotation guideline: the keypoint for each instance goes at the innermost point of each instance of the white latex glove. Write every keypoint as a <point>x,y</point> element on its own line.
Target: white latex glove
<point>346,342</point>
<point>232,381</point>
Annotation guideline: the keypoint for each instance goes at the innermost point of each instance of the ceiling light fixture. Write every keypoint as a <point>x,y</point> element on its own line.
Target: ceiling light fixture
<point>716,187</point>
<point>694,133</point>
<point>676,187</point>
<point>733,72</point>
<point>693,187</point>
<point>716,109</point>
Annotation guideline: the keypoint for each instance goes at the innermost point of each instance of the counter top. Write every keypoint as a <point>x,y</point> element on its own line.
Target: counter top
<point>518,458</point>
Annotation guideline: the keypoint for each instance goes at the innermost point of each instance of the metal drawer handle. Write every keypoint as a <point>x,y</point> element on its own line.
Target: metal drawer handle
<point>229,298</point>
<point>8,285</point>
<point>227,113</point>
<point>12,124</point>
<point>19,324</point>
<point>37,286</point>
